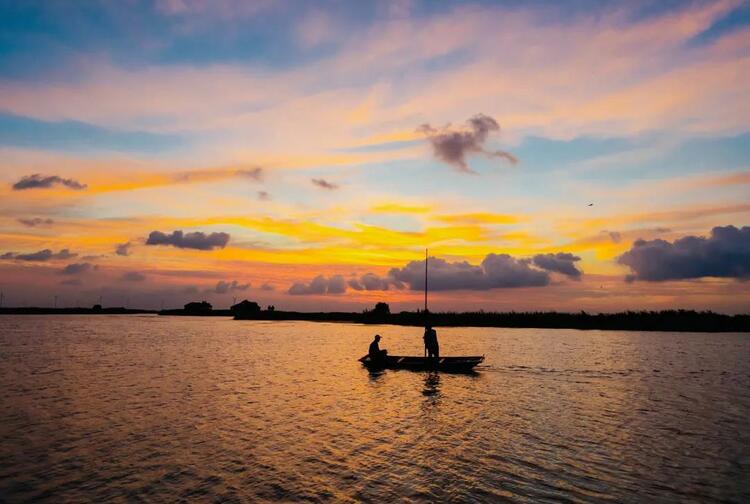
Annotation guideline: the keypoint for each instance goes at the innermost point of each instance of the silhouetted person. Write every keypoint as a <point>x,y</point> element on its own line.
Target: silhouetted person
<point>375,352</point>
<point>431,342</point>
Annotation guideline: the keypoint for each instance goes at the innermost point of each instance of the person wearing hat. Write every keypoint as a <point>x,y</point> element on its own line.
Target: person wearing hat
<point>375,352</point>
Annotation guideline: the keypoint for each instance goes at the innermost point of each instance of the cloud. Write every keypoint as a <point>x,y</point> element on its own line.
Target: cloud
<point>133,276</point>
<point>123,249</point>
<point>372,282</point>
<point>264,196</point>
<point>453,146</point>
<point>71,281</point>
<point>197,240</point>
<point>38,181</point>
<point>77,268</point>
<point>495,271</point>
<point>615,236</point>
<point>36,221</point>
<point>319,285</point>
<point>267,287</point>
<point>223,287</point>
<point>325,184</point>
<point>562,262</point>
<point>724,254</point>
<point>42,255</point>
<point>255,173</point>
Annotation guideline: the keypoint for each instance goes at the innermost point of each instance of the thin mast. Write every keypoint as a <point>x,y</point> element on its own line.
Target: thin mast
<point>425,280</point>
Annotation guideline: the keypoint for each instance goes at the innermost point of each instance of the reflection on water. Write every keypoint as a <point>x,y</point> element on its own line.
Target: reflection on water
<point>431,384</point>
<point>167,409</point>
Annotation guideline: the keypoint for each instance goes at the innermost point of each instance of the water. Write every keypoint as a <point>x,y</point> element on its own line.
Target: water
<point>158,409</point>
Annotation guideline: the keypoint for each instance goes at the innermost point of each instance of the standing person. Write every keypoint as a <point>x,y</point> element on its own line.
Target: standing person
<point>431,342</point>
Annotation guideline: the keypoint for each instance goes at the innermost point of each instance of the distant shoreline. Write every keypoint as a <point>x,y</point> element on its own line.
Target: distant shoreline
<point>36,310</point>
<point>669,320</point>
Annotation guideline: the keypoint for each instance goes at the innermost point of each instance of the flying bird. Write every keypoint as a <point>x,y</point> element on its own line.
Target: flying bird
<point>590,204</point>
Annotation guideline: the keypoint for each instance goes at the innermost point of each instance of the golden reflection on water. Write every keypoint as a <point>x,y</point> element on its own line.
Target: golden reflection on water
<point>163,409</point>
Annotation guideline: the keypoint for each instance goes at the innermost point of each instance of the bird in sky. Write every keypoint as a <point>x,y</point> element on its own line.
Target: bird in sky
<point>590,204</point>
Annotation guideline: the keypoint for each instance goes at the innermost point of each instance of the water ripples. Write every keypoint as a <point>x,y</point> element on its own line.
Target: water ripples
<point>162,409</point>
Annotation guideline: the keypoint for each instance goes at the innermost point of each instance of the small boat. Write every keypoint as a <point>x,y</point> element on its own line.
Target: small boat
<point>415,363</point>
<point>462,364</point>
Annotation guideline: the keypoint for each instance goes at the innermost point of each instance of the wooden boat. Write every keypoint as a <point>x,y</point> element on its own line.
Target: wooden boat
<point>415,363</point>
<point>462,364</point>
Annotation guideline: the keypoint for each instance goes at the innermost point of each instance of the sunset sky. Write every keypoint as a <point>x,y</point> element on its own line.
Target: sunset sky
<point>552,156</point>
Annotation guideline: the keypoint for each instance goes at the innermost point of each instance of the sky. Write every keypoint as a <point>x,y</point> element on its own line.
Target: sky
<point>550,155</point>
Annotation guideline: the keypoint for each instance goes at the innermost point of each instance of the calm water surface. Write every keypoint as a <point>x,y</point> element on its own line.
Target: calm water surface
<point>157,409</point>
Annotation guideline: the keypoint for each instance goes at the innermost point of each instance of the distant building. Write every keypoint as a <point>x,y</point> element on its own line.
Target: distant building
<point>246,306</point>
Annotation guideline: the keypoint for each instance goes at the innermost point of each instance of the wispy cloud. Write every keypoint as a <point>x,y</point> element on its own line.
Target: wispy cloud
<point>38,181</point>
<point>133,276</point>
<point>123,249</point>
<point>453,146</point>
<point>77,268</point>
<point>36,221</point>
<point>41,256</point>
<point>324,184</point>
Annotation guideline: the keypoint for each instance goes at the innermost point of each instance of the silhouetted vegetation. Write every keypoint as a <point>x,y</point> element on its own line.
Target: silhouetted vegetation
<point>198,307</point>
<point>381,314</point>
<point>668,320</point>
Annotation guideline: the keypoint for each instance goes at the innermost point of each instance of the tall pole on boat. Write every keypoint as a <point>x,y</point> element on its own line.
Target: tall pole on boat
<point>425,282</point>
<point>425,299</point>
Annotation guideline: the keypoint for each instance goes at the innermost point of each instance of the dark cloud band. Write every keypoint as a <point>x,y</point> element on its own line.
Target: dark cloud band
<point>40,256</point>
<point>319,285</point>
<point>77,268</point>
<point>496,271</point>
<point>36,221</point>
<point>38,181</point>
<point>724,254</point>
<point>197,240</point>
<point>562,262</point>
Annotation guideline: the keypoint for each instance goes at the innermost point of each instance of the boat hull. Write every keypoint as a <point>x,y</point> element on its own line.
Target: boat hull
<point>416,363</point>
